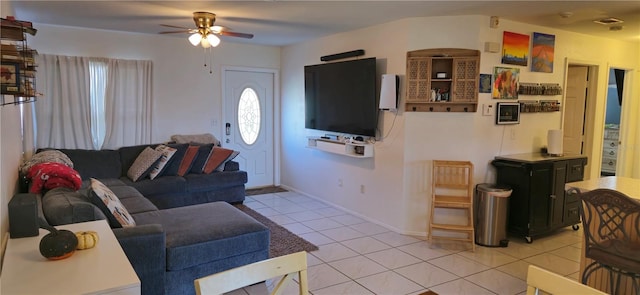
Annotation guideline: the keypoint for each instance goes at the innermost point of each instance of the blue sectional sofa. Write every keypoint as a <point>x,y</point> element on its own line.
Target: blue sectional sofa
<point>185,227</point>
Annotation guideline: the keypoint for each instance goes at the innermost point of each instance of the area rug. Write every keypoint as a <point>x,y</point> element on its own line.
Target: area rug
<point>264,190</point>
<point>283,241</point>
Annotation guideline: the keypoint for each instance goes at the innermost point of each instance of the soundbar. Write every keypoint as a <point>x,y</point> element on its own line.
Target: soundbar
<point>342,55</point>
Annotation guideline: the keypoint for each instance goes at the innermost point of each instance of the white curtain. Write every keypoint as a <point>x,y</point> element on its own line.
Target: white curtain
<point>63,113</point>
<point>128,103</point>
<point>93,103</point>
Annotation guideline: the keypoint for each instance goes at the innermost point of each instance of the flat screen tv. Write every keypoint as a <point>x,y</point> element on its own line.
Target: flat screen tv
<point>341,97</point>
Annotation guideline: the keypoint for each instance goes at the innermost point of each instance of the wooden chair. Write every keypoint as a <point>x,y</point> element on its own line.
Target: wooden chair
<point>539,279</point>
<point>611,222</point>
<point>286,266</point>
<point>452,187</point>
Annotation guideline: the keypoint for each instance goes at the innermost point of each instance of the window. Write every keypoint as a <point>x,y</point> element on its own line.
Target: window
<point>249,116</point>
<point>98,83</point>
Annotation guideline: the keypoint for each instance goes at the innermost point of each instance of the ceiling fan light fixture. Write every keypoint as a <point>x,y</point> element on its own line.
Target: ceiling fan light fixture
<point>213,40</point>
<point>205,43</point>
<point>195,39</point>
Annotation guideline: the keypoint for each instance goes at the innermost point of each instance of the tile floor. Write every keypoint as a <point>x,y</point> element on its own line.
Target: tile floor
<point>360,257</point>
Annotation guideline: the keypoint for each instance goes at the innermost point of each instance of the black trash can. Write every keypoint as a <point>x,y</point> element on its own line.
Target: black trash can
<point>491,206</point>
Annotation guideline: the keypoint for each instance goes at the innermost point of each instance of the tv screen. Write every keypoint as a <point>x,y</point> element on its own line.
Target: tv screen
<point>341,97</point>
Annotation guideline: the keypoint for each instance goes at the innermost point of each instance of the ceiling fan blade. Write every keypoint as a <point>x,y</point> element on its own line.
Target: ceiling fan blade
<point>177,27</point>
<point>174,32</point>
<point>236,34</point>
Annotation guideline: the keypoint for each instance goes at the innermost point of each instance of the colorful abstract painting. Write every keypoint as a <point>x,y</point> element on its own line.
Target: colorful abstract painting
<point>542,48</point>
<point>505,83</point>
<point>515,48</point>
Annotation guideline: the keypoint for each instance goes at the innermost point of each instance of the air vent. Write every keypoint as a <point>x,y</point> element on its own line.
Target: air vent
<point>608,21</point>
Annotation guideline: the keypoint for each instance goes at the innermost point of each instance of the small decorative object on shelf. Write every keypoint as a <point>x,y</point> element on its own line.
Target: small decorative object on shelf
<point>539,89</point>
<point>57,244</point>
<point>534,106</point>
<point>87,239</point>
<point>17,62</point>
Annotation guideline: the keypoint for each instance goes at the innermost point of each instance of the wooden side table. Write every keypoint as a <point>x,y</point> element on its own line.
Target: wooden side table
<point>103,269</point>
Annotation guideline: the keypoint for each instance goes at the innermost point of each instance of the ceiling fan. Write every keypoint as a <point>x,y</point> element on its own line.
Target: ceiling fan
<point>206,32</point>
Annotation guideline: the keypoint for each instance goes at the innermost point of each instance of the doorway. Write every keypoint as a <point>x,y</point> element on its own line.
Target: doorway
<point>613,110</point>
<point>579,112</point>
<point>249,96</point>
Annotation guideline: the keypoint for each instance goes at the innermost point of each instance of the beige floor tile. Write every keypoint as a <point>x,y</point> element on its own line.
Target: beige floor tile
<point>460,287</point>
<point>555,263</point>
<point>348,288</point>
<point>459,265</point>
<point>389,283</point>
<point>392,258</point>
<point>357,267</point>
<point>425,274</point>
<point>517,269</point>
<point>488,256</point>
<point>498,282</point>
<point>323,275</point>
<point>569,252</point>
<point>333,252</point>
<point>365,245</point>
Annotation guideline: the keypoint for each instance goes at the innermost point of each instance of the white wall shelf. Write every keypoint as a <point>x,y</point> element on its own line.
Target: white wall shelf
<point>350,149</point>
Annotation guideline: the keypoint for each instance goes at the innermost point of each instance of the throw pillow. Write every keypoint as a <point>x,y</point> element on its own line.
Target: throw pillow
<point>172,167</point>
<point>143,164</point>
<point>201,158</point>
<point>217,158</point>
<point>188,159</point>
<point>108,202</point>
<point>167,153</point>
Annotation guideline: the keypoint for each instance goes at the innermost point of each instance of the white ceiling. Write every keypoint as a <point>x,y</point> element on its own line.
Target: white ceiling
<point>280,22</point>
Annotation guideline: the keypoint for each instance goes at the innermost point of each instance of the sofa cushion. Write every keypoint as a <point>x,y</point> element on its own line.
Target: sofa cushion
<point>132,199</point>
<point>187,160</point>
<point>160,166</point>
<point>108,202</point>
<point>128,155</point>
<point>205,182</point>
<point>206,232</point>
<point>64,206</point>
<point>143,164</point>
<point>163,185</point>
<point>109,182</point>
<point>95,164</point>
<point>217,158</point>
<point>201,159</point>
<point>176,159</point>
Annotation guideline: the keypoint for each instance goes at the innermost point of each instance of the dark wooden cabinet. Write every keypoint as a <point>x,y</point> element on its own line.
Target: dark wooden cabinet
<point>539,204</point>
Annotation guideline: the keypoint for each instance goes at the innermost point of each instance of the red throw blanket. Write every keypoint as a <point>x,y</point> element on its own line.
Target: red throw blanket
<point>51,175</point>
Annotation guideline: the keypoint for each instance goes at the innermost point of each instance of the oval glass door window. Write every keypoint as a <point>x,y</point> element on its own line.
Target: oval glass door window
<point>249,116</point>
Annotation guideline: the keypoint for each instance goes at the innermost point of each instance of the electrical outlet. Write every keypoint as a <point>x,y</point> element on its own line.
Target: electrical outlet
<point>487,109</point>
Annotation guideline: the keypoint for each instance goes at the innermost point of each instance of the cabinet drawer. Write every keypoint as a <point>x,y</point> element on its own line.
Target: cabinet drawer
<point>610,143</point>
<point>571,197</point>
<point>575,170</point>
<point>609,164</point>
<point>609,153</point>
<point>572,213</point>
<point>611,133</point>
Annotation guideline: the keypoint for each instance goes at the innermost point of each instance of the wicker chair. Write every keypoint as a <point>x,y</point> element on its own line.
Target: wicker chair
<point>611,222</point>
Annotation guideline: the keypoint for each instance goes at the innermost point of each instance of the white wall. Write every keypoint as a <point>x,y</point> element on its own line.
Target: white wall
<point>397,179</point>
<point>187,99</point>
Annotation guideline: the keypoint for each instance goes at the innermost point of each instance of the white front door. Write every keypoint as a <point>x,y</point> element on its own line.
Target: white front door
<point>575,104</point>
<point>248,119</point>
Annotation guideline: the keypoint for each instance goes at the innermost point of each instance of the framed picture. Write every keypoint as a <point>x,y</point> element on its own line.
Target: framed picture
<point>9,77</point>
<point>505,83</point>
<point>508,113</point>
<point>485,83</point>
<point>543,48</point>
<point>515,48</point>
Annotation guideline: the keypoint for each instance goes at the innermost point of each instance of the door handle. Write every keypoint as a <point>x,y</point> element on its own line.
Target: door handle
<point>227,129</point>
